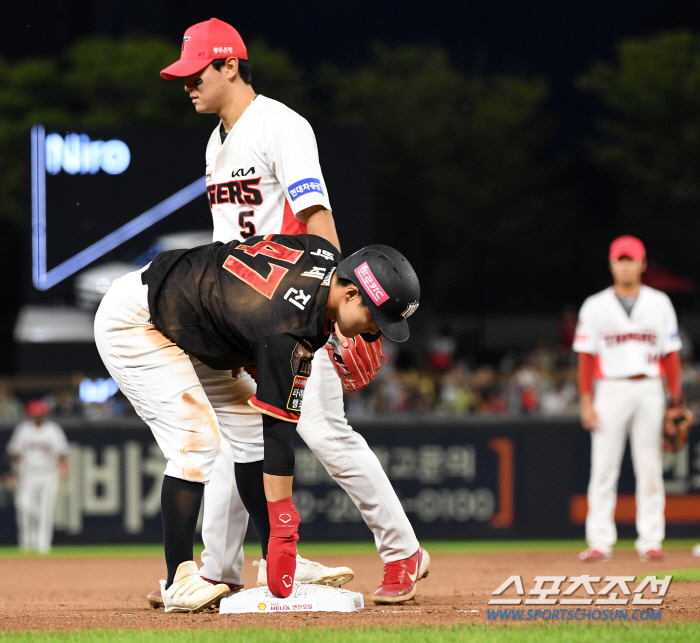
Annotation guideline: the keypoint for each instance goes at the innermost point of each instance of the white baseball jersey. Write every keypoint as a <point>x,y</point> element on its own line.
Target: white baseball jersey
<point>39,447</point>
<point>627,345</point>
<point>264,173</point>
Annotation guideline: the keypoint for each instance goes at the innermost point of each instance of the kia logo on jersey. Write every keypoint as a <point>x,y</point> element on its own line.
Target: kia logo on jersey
<point>243,172</point>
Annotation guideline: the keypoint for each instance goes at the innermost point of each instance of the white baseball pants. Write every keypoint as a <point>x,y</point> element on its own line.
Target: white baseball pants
<point>35,503</point>
<point>162,383</point>
<point>222,559</point>
<point>634,407</point>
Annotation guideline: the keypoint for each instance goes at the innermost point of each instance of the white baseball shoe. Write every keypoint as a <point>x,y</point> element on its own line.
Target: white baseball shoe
<point>189,591</point>
<point>310,572</point>
<point>595,556</point>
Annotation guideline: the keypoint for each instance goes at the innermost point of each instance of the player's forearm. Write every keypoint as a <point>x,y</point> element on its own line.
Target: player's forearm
<point>586,367</point>
<point>320,222</point>
<point>278,463</point>
<point>587,399</point>
<point>672,366</point>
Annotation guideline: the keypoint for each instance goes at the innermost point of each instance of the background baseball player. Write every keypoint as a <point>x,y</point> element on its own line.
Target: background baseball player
<point>627,338</point>
<point>263,176</point>
<point>39,449</point>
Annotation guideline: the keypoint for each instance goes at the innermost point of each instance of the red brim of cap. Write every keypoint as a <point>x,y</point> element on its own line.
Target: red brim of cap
<point>630,253</point>
<point>184,67</point>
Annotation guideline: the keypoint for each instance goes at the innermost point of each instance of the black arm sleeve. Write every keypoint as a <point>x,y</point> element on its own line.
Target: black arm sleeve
<point>278,436</point>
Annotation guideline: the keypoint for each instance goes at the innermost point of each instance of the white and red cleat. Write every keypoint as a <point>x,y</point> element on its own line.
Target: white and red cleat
<point>189,592</point>
<point>651,555</point>
<point>155,598</point>
<point>400,578</point>
<point>594,556</point>
<point>310,572</point>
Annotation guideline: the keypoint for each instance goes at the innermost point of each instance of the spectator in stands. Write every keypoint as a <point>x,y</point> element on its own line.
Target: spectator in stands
<point>441,351</point>
<point>10,406</point>
<point>456,394</point>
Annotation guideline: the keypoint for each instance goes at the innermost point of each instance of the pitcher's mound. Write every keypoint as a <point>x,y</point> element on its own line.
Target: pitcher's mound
<point>304,598</point>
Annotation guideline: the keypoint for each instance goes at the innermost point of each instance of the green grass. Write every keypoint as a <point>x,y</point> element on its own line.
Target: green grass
<point>310,550</point>
<point>650,633</point>
<point>682,575</point>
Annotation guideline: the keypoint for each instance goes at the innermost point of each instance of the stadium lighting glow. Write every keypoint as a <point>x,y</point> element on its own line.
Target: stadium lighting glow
<point>99,390</point>
<point>43,279</point>
<point>77,154</point>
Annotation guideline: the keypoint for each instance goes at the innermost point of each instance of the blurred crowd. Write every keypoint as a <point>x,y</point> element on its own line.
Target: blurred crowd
<point>443,379</point>
<point>542,381</point>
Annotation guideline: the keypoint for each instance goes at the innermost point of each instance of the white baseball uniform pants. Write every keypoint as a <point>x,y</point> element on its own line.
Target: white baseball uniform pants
<point>634,407</point>
<point>35,503</point>
<point>162,384</point>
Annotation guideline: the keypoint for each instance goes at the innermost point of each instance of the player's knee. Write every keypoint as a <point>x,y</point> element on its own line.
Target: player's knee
<point>320,431</point>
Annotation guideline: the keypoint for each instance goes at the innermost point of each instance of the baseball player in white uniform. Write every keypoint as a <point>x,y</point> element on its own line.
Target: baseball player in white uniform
<point>39,448</point>
<point>627,339</point>
<point>263,176</point>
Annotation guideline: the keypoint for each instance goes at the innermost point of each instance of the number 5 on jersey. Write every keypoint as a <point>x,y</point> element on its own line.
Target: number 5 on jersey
<point>247,227</point>
<point>264,285</point>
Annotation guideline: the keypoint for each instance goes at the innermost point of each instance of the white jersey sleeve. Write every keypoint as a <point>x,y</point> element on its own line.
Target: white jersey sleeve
<point>586,337</point>
<point>16,444</point>
<point>292,155</point>
<point>671,341</point>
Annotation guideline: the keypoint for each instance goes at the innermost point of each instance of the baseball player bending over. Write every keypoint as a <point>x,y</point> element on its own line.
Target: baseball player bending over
<point>627,338</point>
<point>264,177</point>
<point>39,448</point>
<point>241,304</point>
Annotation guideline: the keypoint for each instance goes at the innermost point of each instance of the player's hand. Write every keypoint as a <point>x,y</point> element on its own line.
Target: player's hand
<point>64,469</point>
<point>589,418</point>
<point>677,423</point>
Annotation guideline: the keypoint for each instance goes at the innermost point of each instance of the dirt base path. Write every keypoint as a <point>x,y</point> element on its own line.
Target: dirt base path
<point>62,594</point>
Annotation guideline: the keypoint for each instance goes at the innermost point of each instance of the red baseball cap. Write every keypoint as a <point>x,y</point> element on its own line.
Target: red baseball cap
<point>627,246</point>
<point>202,43</point>
<point>37,408</point>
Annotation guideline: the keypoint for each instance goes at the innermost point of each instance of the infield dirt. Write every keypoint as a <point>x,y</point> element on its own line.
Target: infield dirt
<point>65,594</point>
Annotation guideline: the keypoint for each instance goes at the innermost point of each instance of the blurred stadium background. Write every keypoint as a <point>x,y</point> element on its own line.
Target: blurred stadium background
<point>501,156</point>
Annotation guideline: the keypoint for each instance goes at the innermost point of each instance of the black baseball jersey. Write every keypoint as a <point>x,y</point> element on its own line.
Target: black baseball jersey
<point>257,302</point>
